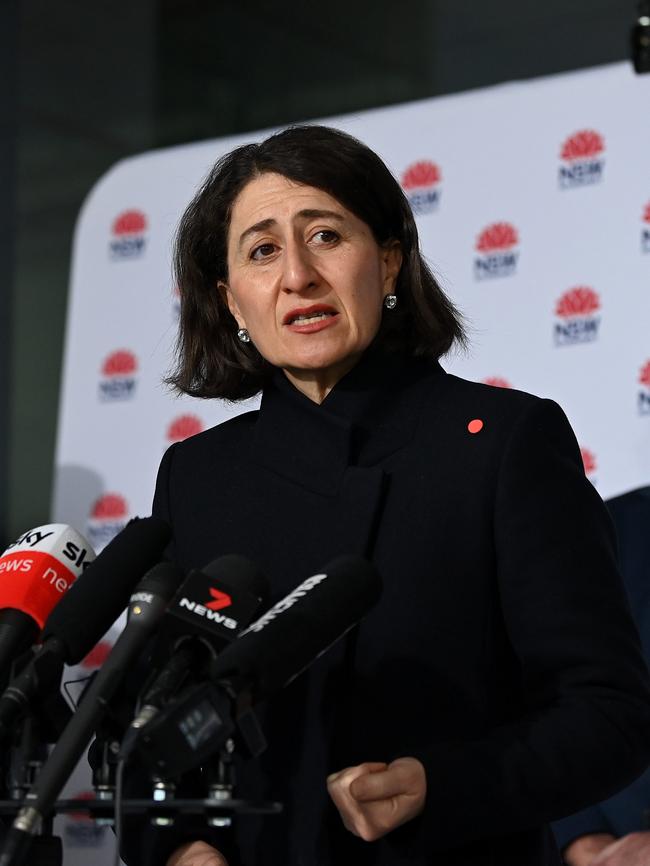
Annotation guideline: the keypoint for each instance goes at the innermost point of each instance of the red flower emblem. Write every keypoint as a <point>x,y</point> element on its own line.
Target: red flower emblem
<point>421,174</point>
<point>131,222</point>
<point>580,301</point>
<point>583,144</point>
<point>498,236</point>
<point>120,363</point>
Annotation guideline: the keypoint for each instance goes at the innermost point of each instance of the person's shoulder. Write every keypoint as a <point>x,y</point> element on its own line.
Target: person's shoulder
<point>502,403</point>
<point>228,434</point>
<point>506,412</point>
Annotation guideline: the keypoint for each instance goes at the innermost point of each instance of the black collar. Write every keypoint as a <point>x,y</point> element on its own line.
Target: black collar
<point>368,415</point>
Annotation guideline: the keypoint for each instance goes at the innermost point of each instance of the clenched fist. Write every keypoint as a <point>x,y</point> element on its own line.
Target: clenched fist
<point>196,854</point>
<point>375,798</point>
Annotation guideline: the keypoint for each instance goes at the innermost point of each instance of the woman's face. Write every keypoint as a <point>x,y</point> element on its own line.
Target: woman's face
<point>306,278</point>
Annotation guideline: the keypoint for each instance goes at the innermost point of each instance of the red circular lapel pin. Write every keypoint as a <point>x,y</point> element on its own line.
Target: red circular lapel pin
<point>475,426</point>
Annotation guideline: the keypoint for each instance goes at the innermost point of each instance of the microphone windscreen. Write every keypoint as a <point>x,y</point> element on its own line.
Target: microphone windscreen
<point>287,638</point>
<point>241,573</point>
<point>40,567</point>
<point>102,592</point>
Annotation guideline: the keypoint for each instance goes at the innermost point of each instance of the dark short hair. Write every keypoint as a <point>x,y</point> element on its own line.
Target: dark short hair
<point>211,360</point>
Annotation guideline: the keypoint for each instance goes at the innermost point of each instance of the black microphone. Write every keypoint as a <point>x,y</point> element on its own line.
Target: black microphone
<point>35,572</point>
<point>147,605</point>
<point>268,655</point>
<point>209,610</point>
<point>85,614</point>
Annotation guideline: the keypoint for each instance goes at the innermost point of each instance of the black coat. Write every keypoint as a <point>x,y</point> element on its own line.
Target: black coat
<point>501,654</point>
<point>627,811</point>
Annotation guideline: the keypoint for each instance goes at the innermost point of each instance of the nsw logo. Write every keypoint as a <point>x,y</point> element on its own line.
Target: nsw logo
<point>421,183</point>
<point>183,427</point>
<point>118,376</point>
<point>108,516</point>
<point>80,830</point>
<point>176,304</point>
<point>583,162</point>
<point>645,230</point>
<point>497,251</point>
<point>576,319</point>
<point>644,391</point>
<point>590,464</point>
<point>128,235</point>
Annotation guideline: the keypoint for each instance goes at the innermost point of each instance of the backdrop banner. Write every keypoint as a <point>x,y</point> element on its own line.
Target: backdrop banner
<point>533,205</point>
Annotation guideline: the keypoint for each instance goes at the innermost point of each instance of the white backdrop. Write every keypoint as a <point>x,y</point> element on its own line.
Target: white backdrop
<point>533,203</point>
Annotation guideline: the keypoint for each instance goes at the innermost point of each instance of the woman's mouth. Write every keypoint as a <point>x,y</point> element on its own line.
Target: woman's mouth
<point>310,319</point>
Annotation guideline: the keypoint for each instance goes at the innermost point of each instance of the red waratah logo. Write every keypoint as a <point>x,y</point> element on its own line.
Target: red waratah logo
<point>498,236</point>
<point>644,391</point>
<point>580,301</point>
<point>644,374</point>
<point>118,376</point>
<point>497,382</point>
<point>109,507</point>
<point>588,461</point>
<point>120,363</point>
<point>497,256</point>
<point>582,145</point>
<point>421,182</point>
<point>645,230</point>
<point>576,320</point>
<point>131,222</point>
<point>582,159</point>
<point>421,174</point>
<point>108,516</point>
<point>183,427</point>
<point>128,235</point>
<point>80,828</point>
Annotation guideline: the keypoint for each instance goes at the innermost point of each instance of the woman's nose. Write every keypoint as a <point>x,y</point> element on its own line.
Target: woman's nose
<point>299,272</point>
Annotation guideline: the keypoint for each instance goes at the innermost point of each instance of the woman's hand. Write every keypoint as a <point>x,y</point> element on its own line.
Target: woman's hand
<point>583,850</point>
<point>196,854</point>
<point>375,798</point>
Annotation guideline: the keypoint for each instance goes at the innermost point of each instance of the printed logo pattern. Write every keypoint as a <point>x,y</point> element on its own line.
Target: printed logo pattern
<point>576,320</point>
<point>582,159</point>
<point>128,235</point>
<point>118,376</point>
<point>421,183</point>
<point>498,255</point>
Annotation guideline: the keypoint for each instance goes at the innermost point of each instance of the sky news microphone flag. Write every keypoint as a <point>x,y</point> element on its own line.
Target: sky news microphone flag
<point>36,571</point>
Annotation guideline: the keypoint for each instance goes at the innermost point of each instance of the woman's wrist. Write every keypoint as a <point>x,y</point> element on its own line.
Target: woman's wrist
<point>583,849</point>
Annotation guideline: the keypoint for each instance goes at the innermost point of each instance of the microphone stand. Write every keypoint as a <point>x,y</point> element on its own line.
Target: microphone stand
<point>26,755</point>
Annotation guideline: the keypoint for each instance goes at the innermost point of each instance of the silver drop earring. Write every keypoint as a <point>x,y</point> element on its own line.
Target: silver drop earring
<point>390,302</point>
<point>243,336</point>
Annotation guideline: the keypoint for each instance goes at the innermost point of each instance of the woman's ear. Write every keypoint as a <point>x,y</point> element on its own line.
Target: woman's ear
<point>392,258</point>
<point>228,297</point>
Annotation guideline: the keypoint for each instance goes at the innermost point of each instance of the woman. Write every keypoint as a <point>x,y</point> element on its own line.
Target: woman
<point>498,683</point>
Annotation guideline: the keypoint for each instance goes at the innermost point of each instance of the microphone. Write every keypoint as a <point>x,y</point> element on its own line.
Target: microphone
<point>267,656</point>
<point>209,610</point>
<point>35,573</point>
<point>85,614</point>
<point>147,605</point>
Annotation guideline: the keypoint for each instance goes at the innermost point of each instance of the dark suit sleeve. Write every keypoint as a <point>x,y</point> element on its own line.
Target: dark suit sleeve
<point>161,505</point>
<point>588,821</point>
<point>583,732</point>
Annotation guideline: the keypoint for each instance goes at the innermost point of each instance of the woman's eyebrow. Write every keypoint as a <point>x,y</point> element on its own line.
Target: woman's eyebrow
<point>306,213</point>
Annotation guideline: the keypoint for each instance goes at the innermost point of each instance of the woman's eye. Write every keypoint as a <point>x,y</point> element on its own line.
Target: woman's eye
<point>326,236</point>
<point>262,252</point>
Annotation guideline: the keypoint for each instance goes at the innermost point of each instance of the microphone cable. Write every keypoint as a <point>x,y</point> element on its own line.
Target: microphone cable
<point>117,812</point>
